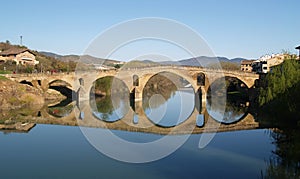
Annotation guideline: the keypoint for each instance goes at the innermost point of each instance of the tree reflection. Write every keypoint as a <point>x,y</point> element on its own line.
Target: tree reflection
<point>62,109</point>
<point>104,104</point>
<point>235,100</point>
<point>286,160</point>
<point>109,98</point>
<point>162,84</point>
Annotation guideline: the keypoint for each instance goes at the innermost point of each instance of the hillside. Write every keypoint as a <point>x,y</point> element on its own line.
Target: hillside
<point>203,61</point>
<point>82,58</point>
<point>13,94</point>
<point>46,63</point>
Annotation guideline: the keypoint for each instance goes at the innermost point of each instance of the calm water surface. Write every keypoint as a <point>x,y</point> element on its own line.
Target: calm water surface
<point>62,151</point>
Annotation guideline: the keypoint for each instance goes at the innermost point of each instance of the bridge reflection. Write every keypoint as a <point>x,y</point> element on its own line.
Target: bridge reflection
<point>81,114</point>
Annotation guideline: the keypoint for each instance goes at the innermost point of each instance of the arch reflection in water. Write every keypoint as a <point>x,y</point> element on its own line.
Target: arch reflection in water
<point>109,99</point>
<point>168,99</point>
<point>200,120</point>
<point>62,109</point>
<point>236,101</point>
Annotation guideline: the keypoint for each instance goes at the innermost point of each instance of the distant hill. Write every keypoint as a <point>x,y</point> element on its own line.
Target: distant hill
<point>237,60</point>
<point>203,61</point>
<point>50,54</point>
<point>81,58</point>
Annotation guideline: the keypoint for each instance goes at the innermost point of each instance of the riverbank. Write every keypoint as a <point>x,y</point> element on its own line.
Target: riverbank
<point>14,95</point>
<point>16,127</point>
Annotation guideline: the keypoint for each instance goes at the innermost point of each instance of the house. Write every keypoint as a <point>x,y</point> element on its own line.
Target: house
<point>263,64</point>
<point>298,48</point>
<point>260,66</point>
<point>21,56</point>
<point>246,65</point>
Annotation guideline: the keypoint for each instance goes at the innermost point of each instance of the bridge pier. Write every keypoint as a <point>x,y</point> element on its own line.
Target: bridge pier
<point>83,95</point>
<point>138,94</point>
<point>200,99</point>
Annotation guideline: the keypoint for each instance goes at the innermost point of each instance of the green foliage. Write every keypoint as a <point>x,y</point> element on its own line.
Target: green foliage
<point>50,64</point>
<point>104,84</point>
<point>280,80</point>
<point>280,97</point>
<point>104,105</point>
<point>3,78</point>
<point>5,72</point>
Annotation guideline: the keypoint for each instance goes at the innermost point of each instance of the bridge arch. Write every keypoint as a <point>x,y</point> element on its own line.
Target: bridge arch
<point>64,87</point>
<point>62,109</point>
<point>26,82</point>
<point>238,120</point>
<point>224,85</point>
<point>247,83</point>
<point>112,82</point>
<point>67,84</point>
<point>113,103</point>
<point>145,78</point>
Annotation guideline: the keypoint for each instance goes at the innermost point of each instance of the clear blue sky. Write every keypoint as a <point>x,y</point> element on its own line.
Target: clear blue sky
<point>232,28</point>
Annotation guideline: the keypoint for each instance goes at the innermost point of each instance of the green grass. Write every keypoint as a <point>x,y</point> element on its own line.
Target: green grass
<point>3,78</point>
<point>5,72</point>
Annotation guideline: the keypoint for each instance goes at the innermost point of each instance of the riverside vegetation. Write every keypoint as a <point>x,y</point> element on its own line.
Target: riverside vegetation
<point>279,104</point>
<point>279,95</point>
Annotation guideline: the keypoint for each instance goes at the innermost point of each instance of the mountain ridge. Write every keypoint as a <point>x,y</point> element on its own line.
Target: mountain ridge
<point>197,61</point>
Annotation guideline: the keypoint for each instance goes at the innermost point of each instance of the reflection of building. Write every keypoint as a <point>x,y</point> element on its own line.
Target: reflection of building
<point>19,56</point>
<point>246,65</point>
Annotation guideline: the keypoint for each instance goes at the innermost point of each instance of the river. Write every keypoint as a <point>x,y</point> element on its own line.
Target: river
<point>57,149</point>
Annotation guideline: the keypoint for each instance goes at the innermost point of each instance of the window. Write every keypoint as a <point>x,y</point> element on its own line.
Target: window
<point>135,80</point>
<point>201,79</point>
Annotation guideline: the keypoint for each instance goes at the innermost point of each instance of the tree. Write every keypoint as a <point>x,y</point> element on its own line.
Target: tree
<point>280,97</point>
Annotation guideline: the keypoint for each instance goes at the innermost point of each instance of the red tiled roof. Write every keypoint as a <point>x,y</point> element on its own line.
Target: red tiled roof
<point>14,51</point>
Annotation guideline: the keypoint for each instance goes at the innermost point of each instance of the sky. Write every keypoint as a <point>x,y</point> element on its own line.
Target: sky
<point>231,28</point>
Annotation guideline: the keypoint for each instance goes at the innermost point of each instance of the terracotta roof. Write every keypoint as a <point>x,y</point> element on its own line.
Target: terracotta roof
<point>14,51</point>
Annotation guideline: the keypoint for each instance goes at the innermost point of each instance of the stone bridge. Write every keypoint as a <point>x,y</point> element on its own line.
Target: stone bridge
<point>135,78</point>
